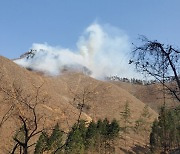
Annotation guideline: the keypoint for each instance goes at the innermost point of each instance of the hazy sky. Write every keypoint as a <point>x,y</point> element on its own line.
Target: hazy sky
<point>61,22</point>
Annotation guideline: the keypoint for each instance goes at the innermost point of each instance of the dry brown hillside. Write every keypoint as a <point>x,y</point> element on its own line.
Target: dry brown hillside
<point>103,99</point>
<point>149,94</point>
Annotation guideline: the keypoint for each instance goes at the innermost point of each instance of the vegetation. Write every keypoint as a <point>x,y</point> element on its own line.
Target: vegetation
<point>165,135</point>
<point>161,62</point>
<point>96,137</point>
<point>126,115</point>
<point>132,80</point>
<point>100,136</point>
<point>152,58</point>
<point>42,144</point>
<point>49,143</point>
<point>24,109</point>
<point>142,124</point>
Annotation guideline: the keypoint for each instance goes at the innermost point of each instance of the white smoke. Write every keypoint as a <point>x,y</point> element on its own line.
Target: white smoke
<point>102,49</point>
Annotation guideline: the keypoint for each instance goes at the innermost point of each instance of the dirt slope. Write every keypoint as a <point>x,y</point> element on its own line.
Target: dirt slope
<point>102,99</point>
<point>149,94</point>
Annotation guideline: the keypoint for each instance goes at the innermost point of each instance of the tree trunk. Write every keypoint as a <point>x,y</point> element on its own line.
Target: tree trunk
<point>25,149</point>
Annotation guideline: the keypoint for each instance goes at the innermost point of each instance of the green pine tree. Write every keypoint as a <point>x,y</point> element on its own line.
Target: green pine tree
<point>50,144</point>
<point>154,138</point>
<point>55,140</point>
<point>126,115</point>
<point>91,136</point>
<point>41,144</point>
<point>113,129</point>
<point>99,136</point>
<point>165,134</point>
<point>76,139</point>
<point>142,124</point>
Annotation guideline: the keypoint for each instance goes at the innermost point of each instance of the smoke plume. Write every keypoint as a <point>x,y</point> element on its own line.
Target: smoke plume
<point>103,49</point>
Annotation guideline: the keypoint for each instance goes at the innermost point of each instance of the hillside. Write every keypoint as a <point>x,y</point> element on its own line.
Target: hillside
<point>104,99</point>
<point>149,94</point>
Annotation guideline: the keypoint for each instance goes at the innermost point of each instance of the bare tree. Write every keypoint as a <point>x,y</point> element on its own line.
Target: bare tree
<point>22,108</point>
<point>82,97</point>
<point>161,62</point>
<point>9,111</point>
<point>29,121</point>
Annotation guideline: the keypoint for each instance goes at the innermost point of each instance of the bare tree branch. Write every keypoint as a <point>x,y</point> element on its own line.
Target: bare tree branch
<point>159,61</point>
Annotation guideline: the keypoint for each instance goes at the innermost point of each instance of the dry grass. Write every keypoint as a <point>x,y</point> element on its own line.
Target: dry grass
<point>108,100</point>
<point>149,94</point>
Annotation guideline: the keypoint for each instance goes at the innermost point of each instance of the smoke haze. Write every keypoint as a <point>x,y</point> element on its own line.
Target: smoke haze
<point>103,49</point>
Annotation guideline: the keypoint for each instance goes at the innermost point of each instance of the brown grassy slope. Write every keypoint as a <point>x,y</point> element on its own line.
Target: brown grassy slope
<point>110,99</point>
<point>53,109</point>
<point>149,94</point>
<point>107,99</point>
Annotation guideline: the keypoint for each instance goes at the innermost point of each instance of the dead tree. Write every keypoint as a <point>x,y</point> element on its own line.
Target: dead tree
<point>22,108</point>
<point>161,62</point>
<point>9,112</point>
<point>82,97</point>
<point>28,119</point>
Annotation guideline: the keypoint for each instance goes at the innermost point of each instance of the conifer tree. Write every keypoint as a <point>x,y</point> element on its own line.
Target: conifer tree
<point>76,139</point>
<point>99,139</point>
<point>142,124</point>
<point>126,115</point>
<point>75,143</point>
<point>165,134</point>
<point>104,134</point>
<point>50,144</point>
<point>91,135</point>
<point>55,140</point>
<point>41,144</point>
<point>104,129</point>
<point>154,138</point>
<point>113,129</point>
